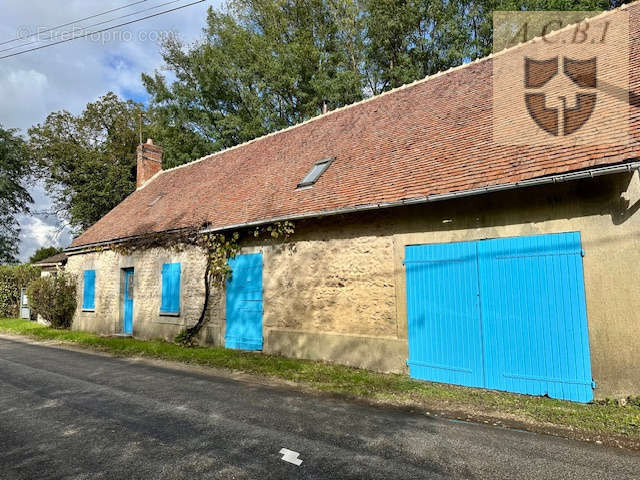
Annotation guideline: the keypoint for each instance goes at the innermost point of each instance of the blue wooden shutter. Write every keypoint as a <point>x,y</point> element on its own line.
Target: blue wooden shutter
<point>170,288</point>
<point>89,287</point>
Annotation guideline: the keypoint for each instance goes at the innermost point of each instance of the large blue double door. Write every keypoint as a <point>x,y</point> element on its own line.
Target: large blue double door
<point>505,314</point>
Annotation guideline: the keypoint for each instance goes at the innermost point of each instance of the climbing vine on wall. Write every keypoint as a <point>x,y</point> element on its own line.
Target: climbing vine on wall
<point>217,248</point>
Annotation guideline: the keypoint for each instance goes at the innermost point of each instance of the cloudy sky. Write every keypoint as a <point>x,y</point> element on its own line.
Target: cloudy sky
<point>69,75</point>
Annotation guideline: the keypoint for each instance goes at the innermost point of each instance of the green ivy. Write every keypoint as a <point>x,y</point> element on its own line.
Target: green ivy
<point>218,248</point>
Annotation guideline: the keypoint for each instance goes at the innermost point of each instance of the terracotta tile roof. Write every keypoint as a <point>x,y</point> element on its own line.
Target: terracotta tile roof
<point>430,137</point>
<point>57,259</point>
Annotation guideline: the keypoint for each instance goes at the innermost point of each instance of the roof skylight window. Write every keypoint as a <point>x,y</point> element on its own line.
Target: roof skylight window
<point>316,171</point>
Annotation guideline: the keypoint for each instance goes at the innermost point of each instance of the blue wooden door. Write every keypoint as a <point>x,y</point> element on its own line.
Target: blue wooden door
<point>507,314</point>
<point>534,316</point>
<point>244,303</point>
<point>127,324</point>
<point>445,331</point>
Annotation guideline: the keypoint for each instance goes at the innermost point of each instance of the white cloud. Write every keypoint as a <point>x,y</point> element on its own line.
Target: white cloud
<point>36,233</point>
<point>40,232</point>
<point>41,229</point>
<point>22,96</point>
<point>69,75</point>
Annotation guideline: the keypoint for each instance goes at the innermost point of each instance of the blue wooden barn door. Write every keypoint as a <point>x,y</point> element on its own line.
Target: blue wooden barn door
<point>445,330</point>
<point>507,314</point>
<point>127,324</point>
<point>244,303</point>
<point>534,316</point>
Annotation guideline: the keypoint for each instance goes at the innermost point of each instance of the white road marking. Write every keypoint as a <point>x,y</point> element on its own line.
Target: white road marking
<point>290,456</point>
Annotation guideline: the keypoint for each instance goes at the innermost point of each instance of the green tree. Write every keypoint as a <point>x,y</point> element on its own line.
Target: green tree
<point>44,252</point>
<point>479,20</point>
<point>88,161</point>
<point>410,39</point>
<point>262,66</point>
<point>14,197</point>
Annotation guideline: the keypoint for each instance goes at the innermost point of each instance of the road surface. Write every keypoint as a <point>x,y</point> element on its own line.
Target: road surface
<point>72,414</point>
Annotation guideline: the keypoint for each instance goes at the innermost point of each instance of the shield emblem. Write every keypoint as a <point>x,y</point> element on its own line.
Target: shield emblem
<point>582,74</point>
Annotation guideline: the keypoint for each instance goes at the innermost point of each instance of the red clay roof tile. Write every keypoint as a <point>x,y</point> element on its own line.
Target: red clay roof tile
<point>431,137</point>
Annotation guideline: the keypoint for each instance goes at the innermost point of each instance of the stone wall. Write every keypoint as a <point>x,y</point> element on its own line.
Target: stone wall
<point>148,322</point>
<point>336,291</point>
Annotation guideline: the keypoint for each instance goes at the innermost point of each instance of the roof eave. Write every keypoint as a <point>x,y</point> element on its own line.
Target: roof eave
<point>563,177</point>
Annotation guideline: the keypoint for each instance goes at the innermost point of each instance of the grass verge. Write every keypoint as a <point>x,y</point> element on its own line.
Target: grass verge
<point>608,422</point>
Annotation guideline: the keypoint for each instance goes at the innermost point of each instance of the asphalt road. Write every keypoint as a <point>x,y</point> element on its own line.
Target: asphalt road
<point>71,414</point>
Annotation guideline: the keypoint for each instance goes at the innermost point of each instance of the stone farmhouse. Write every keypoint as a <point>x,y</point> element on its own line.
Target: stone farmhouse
<point>421,245</point>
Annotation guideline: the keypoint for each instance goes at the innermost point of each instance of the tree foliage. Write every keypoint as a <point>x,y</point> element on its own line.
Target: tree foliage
<point>54,298</point>
<point>88,161</point>
<point>264,64</point>
<point>44,252</point>
<point>13,278</point>
<point>14,197</point>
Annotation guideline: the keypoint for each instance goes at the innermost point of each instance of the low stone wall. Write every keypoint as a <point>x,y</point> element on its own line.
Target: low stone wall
<point>383,354</point>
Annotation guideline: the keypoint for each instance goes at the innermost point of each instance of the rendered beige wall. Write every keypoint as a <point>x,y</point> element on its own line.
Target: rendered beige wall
<point>605,212</point>
<point>337,290</point>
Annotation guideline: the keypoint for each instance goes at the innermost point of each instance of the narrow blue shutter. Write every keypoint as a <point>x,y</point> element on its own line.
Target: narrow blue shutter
<point>170,288</point>
<point>89,287</point>
<point>175,288</point>
<point>166,288</point>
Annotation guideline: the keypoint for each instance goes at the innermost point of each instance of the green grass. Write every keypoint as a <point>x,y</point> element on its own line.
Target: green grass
<point>604,419</point>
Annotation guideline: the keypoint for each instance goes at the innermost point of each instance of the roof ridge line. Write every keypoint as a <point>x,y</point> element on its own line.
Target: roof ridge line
<point>380,95</point>
<point>330,112</point>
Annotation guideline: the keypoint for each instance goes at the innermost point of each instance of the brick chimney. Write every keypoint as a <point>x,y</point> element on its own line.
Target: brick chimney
<point>149,161</point>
